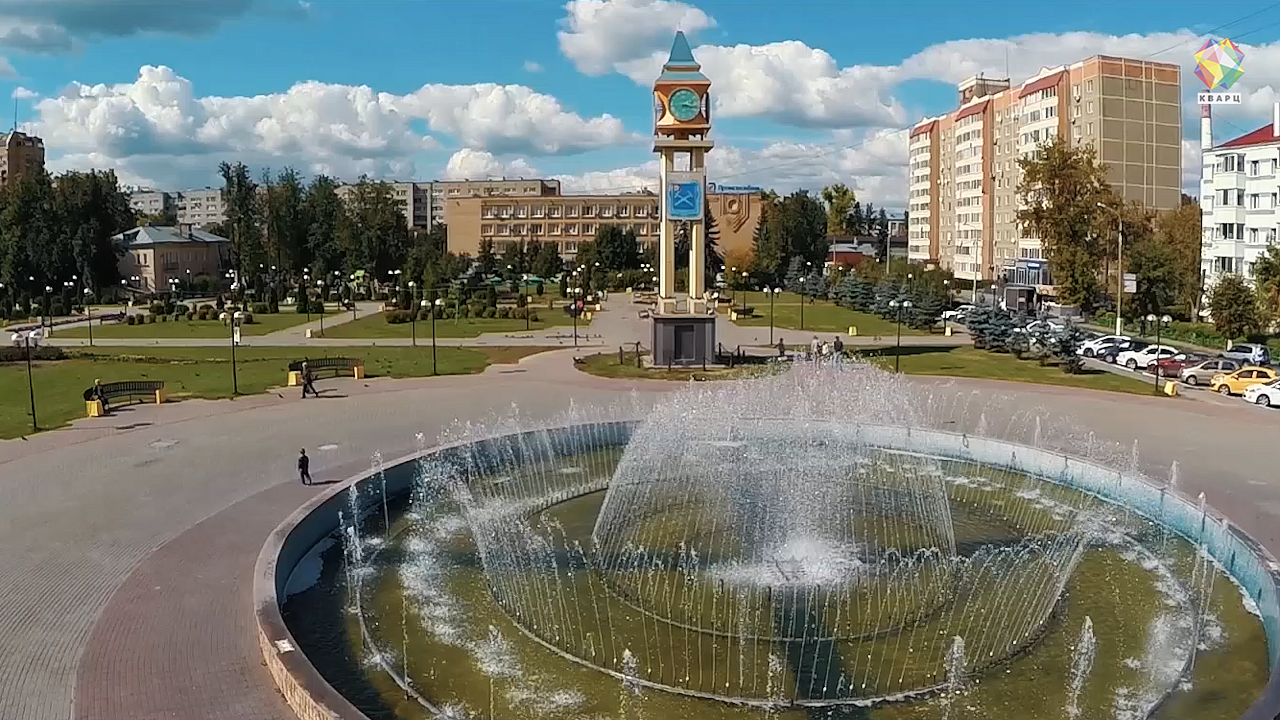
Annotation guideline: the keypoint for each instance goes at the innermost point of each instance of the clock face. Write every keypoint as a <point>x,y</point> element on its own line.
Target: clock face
<point>685,104</point>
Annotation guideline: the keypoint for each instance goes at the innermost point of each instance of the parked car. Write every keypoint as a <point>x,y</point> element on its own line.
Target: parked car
<point>1205,370</point>
<point>1047,326</point>
<point>1267,395</point>
<point>1249,353</point>
<point>1239,381</point>
<point>1111,353</point>
<point>1134,359</point>
<point>1172,365</point>
<point>959,314</point>
<point>1097,345</point>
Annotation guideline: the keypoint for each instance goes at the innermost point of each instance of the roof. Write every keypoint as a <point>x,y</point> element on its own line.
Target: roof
<point>924,128</point>
<point>1262,136</point>
<point>973,109</point>
<point>680,65</point>
<point>167,235</point>
<point>1047,81</point>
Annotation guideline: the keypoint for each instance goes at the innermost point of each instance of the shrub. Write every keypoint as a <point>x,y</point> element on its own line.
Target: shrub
<point>533,316</point>
<point>491,312</point>
<point>504,312</point>
<point>261,309</point>
<point>4,313</point>
<point>163,318</point>
<point>208,308</point>
<point>131,320</point>
<point>10,354</point>
<point>56,308</point>
<point>190,315</point>
<point>397,317</point>
<point>248,319</point>
<point>449,313</point>
<point>202,314</point>
<point>151,319</point>
<point>181,309</point>
<point>156,308</point>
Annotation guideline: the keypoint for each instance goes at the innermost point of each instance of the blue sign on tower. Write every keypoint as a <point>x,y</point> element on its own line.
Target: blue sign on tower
<point>684,200</point>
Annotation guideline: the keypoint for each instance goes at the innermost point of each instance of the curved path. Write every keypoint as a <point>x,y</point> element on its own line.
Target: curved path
<point>129,541</point>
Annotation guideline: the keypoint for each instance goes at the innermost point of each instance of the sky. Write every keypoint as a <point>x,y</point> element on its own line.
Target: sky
<point>806,92</point>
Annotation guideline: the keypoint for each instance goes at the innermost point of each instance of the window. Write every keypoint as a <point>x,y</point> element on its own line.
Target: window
<point>1088,128</point>
<point>1088,87</point>
<point>535,229</point>
<point>1253,168</point>
<point>1088,108</point>
<point>1253,235</point>
<point>571,211</point>
<point>1253,198</point>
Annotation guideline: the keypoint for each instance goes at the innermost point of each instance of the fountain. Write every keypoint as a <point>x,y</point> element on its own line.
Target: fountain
<point>828,540</point>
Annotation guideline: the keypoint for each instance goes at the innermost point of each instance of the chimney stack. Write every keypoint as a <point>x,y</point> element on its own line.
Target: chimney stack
<point>1206,128</point>
<point>1275,121</point>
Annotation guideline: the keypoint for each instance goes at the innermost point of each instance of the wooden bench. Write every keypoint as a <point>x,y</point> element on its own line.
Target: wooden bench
<point>128,390</point>
<point>334,366</point>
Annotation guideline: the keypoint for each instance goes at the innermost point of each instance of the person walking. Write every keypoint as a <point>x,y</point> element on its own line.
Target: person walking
<point>308,382</point>
<point>782,348</point>
<point>304,467</point>
<point>815,347</point>
<point>837,346</point>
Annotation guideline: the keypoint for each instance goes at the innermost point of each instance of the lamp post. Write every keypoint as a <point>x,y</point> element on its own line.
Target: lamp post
<point>577,295</point>
<point>771,294</point>
<point>88,311</point>
<point>44,310</point>
<point>993,295</point>
<point>1119,261</point>
<point>946,284</point>
<point>804,289</point>
<point>31,385</point>
<point>236,317</point>
<point>413,321</point>
<point>1159,322</point>
<point>353,296</point>
<point>899,306</point>
<point>320,292</point>
<point>439,303</point>
<point>744,292</point>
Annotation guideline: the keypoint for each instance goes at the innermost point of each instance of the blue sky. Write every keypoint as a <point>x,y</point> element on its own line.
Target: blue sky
<point>816,94</point>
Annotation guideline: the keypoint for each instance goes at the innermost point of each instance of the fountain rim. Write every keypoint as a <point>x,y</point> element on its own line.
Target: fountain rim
<point>310,694</point>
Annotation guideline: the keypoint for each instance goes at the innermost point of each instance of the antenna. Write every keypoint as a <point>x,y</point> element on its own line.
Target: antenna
<point>15,114</point>
<point>1006,60</point>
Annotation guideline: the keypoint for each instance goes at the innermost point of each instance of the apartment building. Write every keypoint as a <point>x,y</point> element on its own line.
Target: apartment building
<point>153,202</point>
<point>1239,198</point>
<point>423,203</point>
<point>202,207</point>
<point>23,154</point>
<point>963,166</point>
<point>570,219</point>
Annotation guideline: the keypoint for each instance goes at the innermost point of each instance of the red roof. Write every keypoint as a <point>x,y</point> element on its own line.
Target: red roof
<point>1047,81</point>
<point>973,109</point>
<point>924,129</point>
<point>1261,136</point>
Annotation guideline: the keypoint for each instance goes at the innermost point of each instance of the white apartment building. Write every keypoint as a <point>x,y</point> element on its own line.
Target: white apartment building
<point>1239,198</point>
<point>153,202</point>
<point>201,207</point>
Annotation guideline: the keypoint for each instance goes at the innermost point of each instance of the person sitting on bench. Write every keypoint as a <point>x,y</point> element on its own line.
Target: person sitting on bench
<point>99,395</point>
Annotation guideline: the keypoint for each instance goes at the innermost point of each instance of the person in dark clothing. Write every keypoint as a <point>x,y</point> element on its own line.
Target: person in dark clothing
<point>100,396</point>
<point>304,467</point>
<point>782,348</point>
<point>308,382</point>
<point>837,346</point>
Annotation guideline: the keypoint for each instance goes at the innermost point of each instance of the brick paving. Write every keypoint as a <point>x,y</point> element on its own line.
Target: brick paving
<point>95,518</point>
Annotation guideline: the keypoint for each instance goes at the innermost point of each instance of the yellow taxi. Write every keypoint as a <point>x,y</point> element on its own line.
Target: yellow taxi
<point>1236,382</point>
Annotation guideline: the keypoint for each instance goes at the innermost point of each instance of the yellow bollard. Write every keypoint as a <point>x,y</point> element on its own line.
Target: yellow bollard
<point>160,396</point>
<point>947,331</point>
<point>853,330</point>
<point>295,378</point>
<point>93,408</point>
<point>1171,388</point>
<point>358,372</point>
<point>587,316</point>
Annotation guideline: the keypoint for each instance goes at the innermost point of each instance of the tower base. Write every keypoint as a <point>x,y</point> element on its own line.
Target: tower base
<point>683,339</point>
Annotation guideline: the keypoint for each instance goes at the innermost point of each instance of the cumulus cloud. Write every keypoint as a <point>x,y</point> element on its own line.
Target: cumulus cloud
<point>468,164</point>
<point>337,129</point>
<point>597,35</point>
<point>533,67</point>
<point>21,93</point>
<point>54,26</point>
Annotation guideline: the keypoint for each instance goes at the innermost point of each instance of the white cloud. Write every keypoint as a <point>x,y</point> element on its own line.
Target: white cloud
<point>600,34</point>
<point>468,164</point>
<point>533,67</point>
<point>159,124</point>
<point>21,93</point>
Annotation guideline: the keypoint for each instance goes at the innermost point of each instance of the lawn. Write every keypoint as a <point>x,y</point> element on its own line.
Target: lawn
<point>261,325</point>
<point>206,373</point>
<point>608,365</point>
<point>377,327</point>
<point>820,316</point>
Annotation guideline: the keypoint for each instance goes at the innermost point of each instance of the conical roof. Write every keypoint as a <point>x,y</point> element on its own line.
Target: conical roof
<point>680,65</point>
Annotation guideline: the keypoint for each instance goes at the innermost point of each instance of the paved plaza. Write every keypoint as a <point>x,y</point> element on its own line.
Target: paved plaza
<point>130,540</point>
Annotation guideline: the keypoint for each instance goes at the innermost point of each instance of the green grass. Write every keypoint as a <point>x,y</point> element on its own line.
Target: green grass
<point>968,362</point>
<point>376,326</point>
<point>206,373</point>
<point>820,316</point>
<point>261,325</point>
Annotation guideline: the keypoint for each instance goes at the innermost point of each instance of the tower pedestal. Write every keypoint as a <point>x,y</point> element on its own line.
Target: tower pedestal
<point>683,339</point>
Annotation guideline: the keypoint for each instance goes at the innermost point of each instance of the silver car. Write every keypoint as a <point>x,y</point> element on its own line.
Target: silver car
<point>1251,353</point>
<point>1193,374</point>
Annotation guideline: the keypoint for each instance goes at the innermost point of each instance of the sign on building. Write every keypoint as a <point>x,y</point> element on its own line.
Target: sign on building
<point>1130,283</point>
<point>716,189</point>
<point>1219,65</point>
<point>684,200</point>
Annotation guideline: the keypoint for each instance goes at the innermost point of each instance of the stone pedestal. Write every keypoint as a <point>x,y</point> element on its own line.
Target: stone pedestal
<point>683,339</point>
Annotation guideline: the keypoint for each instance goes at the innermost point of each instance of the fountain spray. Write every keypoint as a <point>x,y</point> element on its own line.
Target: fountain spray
<point>1081,664</point>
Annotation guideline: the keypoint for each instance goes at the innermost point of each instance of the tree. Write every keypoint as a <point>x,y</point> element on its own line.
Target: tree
<point>287,222</point>
<point>486,262</point>
<point>839,200</point>
<point>244,219</point>
<point>547,263</point>
<point>617,249</point>
<point>513,263</point>
<point>882,234</point>
<point>926,310</point>
<point>794,281</point>
<point>768,248</point>
<point>1266,275</point>
<point>91,210</point>
<point>375,237</point>
<point>864,294</point>
<point>1067,349</point>
<point>1060,191</point>
<point>1234,306</point>
<point>855,222</point>
<point>801,222</point>
<point>846,290</point>
<point>325,215</point>
<point>1151,261</point>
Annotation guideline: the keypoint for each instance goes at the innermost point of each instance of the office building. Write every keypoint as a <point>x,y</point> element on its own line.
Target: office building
<point>570,219</point>
<point>23,154</point>
<point>1238,198</point>
<point>963,166</point>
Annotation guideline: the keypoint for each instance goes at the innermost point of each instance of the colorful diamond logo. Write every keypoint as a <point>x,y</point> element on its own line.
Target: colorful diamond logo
<point>1219,64</point>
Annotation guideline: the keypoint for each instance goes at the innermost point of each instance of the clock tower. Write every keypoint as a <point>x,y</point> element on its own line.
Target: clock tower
<point>684,328</point>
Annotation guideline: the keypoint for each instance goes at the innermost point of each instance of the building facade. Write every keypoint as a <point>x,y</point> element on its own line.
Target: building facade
<point>155,203</point>
<point>201,207</point>
<point>23,154</point>
<point>570,219</point>
<point>156,254</point>
<point>1239,199</point>
<point>963,166</point>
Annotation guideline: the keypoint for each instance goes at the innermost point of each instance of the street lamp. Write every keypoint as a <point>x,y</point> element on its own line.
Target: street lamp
<point>413,321</point>
<point>804,289</point>
<point>577,308</point>
<point>899,306</point>
<point>45,310</point>
<point>439,303</point>
<point>320,292</point>
<point>1119,261</point>
<point>946,284</point>
<point>771,294</point>
<point>1159,322</point>
<point>88,311</point>
<point>528,305</point>
<point>744,292</point>
<point>236,318</point>
<point>31,386</point>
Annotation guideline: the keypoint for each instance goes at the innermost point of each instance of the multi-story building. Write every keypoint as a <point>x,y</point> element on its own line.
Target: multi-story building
<point>414,200</point>
<point>155,203</point>
<point>963,166</point>
<point>1239,198</point>
<point>423,203</point>
<point>157,254</point>
<point>569,219</point>
<point>23,154</point>
<point>201,207</point>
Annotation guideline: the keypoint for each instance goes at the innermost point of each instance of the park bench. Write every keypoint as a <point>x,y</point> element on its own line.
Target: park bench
<point>333,366</point>
<point>128,391</point>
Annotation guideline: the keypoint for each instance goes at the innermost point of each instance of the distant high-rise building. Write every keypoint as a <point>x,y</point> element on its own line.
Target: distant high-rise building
<point>154,203</point>
<point>23,154</point>
<point>201,208</point>
<point>963,166</point>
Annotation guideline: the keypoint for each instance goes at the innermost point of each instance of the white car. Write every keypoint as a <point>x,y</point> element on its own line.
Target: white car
<point>1267,395</point>
<point>958,314</point>
<point>1097,345</point>
<point>1135,359</point>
